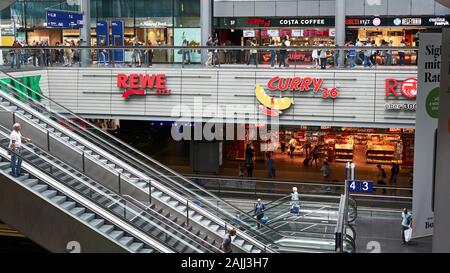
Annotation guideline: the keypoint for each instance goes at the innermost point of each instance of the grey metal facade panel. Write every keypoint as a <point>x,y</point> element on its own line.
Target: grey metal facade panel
<point>286,8</point>
<point>361,95</point>
<point>244,8</point>
<point>376,7</point>
<point>354,7</point>
<point>223,9</point>
<point>265,8</point>
<point>440,9</point>
<point>327,8</point>
<point>422,7</point>
<point>308,8</point>
<point>396,7</point>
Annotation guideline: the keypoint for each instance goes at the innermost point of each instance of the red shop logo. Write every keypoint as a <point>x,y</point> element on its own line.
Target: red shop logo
<point>408,87</point>
<point>257,22</point>
<point>136,84</point>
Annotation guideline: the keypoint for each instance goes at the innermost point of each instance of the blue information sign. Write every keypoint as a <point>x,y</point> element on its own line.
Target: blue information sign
<point>360,186</point>
<point>63,19</point>
<point>117,30</point>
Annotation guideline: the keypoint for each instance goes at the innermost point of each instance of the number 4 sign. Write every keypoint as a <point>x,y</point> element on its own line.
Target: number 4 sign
<point>360,186</point>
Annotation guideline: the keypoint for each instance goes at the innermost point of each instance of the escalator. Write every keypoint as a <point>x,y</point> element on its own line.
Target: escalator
<point>133,177</point>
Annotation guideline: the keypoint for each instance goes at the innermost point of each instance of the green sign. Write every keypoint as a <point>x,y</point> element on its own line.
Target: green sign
<point>432,103</point>
<point>32,82</point>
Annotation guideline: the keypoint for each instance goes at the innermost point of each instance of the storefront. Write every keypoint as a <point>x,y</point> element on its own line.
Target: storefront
<point>301,32</point>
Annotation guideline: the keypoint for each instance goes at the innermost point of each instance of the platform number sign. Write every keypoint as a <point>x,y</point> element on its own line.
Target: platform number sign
<point>360,186</point>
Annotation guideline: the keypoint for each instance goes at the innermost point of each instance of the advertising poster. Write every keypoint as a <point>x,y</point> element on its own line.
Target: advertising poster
<point>441,236</point>
<point>249,33</point>
<point>102,31</point>
<point>426,128</point>
<point>117,30</point>
<point>193,37</point>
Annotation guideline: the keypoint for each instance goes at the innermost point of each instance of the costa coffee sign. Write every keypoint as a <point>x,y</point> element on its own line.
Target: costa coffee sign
<point>273,106</point>
<point>138,84</point>
<point>406,88</point>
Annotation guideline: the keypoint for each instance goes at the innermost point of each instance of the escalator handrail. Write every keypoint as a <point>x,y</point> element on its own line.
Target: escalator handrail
<point>229,216</point>
<point>42,175</point>
<point>117,201</point>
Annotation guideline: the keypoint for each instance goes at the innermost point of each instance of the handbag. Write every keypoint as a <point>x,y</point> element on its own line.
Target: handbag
<point>264,220</point>
<point>408,234</point>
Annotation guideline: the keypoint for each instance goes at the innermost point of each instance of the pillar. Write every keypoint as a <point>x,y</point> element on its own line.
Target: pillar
<point>340,29</point>
<point>441,228</point>
<point>85,32</point>
<point>206,15</point>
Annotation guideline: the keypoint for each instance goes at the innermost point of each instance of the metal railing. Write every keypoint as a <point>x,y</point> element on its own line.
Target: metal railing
<point>216,56</point>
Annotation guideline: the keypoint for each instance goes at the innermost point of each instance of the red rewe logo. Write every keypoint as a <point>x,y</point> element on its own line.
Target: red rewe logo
<point>136,84</point>
<point>408,87</point>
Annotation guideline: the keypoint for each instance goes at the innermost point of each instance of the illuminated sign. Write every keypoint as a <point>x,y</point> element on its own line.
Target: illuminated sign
<point>272,106</point>
<point>64,19</point>
<point>136,84</point>
<point>408,89</point>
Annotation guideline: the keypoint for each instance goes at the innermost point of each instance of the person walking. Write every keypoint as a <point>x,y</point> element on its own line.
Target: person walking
<point>401,53</point>
<point>406,223</point>
<point>381,176</point>
<point>292,144</point>
<point>359,52</point>
<point>186,51</point>
<point>315,56</point>
<point>315,154</point>
<point>15,145</point>
<point>209,43</point>
<point>351,55</point>
<point>368,55</point>
<point>388,58</point>
<point>295,201</point>
<point>226,243</point>
<point>283,53</point>
<point>149,55</point>
<point>259,211</point>
<point>249,160</point>
<point>270,167</point>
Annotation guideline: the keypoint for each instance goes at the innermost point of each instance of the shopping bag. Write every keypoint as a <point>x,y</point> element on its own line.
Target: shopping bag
<point>264,220</point>
<point>408,234</point>
<point>295,209</point>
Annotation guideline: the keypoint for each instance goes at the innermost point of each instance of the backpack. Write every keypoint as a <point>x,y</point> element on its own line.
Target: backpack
<point>383,173</point>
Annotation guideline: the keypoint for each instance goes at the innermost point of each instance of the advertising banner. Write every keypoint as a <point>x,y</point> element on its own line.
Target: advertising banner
<point>426,128</point>
<point>117,30</point>
<point>102,31</point>
<point>192,37</point>
<point>441,236</point>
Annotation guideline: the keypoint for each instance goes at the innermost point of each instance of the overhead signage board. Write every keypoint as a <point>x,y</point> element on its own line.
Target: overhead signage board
<point>63,19</point>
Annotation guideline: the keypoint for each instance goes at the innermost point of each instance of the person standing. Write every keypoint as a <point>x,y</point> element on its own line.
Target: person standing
<point>406,223</point>
<point>401,53</point>
<point>15,145</point>
<point>368,55</point>
<point>270,167</point>
<point>351,55</point>
<point>249,160</point>
<point>323,58</point>
<point>259,211</point>
<point>395,170</point>
<point>315,154</point>
<point>209,43</point>
<point>253,54</point>
<point>149,55</point>
<point>359,60</point>
<point>388,52</point>
<point>315,56</point>
<point>326,171</point>
<point>272,54</point>
<point>186,51</point>
<point>283,53</point>
<point>226,243</point>
<point>295,201</point>
<point>292,144</point>
<point>15,54</point>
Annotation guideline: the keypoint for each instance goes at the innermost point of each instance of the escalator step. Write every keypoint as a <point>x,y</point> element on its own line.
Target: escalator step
<point>214,227</point>
<point>116,234</point>
<point>126,240</point>
<point>97,223</point>
<point>239,242</point>
<point>106,228</point>
<point>247,247</point>
<point>87,217</point>
<point>40,188</point>
<point>136,247</point>
<point>78,211</point>
<point>49,193</point>
<point>59,199</point>
<point>146,250</point>
<point>68,205</point>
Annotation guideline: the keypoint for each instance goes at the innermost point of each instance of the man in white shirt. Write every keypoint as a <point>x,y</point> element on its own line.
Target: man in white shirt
<point>15,144</point>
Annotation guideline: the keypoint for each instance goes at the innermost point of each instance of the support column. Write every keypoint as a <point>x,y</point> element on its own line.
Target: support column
<point>206,15</point>
<point>339,39</point>
<point>1,51</point>
<point>441,236</point>
<point>85,32</point>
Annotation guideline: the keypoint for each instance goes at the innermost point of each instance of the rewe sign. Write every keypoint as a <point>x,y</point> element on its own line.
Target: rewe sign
<point>136,84</point>
<point>408,88</point>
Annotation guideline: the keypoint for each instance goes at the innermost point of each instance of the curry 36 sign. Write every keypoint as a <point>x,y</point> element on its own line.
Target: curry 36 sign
<point>272,106</point>
<point>137,84</point>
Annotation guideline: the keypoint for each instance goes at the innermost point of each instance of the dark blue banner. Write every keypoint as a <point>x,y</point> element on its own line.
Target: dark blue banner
<point>117,29</point>
<point>64,19</point>
<point>102,30</point>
